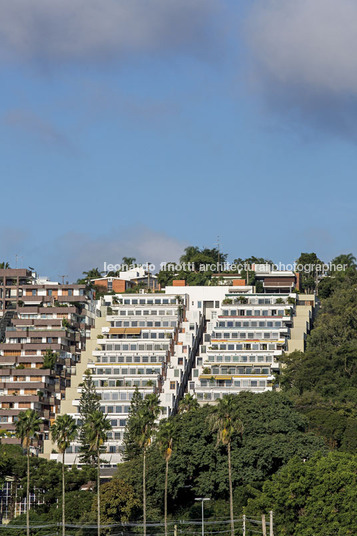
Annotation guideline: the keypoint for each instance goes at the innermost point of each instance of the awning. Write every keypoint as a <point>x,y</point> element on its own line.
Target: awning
<point>125,331</point>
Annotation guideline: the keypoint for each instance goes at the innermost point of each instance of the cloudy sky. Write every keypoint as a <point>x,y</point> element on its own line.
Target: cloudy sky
<point>138,127</point>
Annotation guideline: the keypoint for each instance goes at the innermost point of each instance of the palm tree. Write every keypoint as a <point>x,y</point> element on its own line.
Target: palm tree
<point>188,403</point>
<point>93,273</point>
<point>165,442</point>
<point>97,426</point>
<point>225,420</point>
<point>144,426</point>
<point>27,427</point>
<point>4,265</point>
<point>128,261</point>
<point>348,259</point>
<point>63,431</point>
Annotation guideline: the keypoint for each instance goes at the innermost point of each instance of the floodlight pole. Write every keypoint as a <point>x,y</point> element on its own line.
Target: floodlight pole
<point>203,499</point>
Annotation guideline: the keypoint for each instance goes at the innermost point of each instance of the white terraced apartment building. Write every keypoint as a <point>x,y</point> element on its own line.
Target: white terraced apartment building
<point>245,335</point>
<point>143,341</point>
<point>244,341</point>
<point>155,342</point>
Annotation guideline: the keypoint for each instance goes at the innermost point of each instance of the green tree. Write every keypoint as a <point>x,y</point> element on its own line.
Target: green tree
<point>312,497</point>
<point>118,502</point>
<point>93,273</point>
<point>63,432</point>
<point>143,426</point>
<point>193,257</point>
<point>3,433</point>
<point>27,427</point>
<point>165,441</point>
<point>88,404</point>
<point>322,380</point>
<point>346,259</point>
<point>4,265</point>
<point>131,447</point>
<point>225,420</point>
<point>274,432</point>
<point>50,359</point>
<point>128,261</point>
<point>97,427</point>
<point>310,269</point>
<point>78,508</point>
<point>188,403</point>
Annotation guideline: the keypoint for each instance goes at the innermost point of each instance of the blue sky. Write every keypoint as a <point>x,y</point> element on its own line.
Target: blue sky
<point>138,128</point>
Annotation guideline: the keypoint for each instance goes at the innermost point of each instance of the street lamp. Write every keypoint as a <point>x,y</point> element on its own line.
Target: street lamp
<point>202,499</point>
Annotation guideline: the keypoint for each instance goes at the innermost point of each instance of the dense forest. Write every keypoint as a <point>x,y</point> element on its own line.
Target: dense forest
<point>292,451</point>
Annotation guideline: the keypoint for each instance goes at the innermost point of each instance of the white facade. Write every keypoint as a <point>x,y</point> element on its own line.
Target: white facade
<point>242,345</point>
<point>207,299</point>
<point>155,342</point>
<point>146,344</point>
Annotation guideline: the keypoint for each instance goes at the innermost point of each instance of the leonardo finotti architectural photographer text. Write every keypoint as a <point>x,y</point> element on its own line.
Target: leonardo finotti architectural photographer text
<point>322,268</point>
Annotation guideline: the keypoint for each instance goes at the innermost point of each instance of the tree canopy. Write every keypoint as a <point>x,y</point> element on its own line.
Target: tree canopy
<point>322,381</point>
<point>316,497</point>
<point>273,433</point>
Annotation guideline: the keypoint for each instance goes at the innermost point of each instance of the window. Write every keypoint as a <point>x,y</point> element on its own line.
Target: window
<point>172,385</point>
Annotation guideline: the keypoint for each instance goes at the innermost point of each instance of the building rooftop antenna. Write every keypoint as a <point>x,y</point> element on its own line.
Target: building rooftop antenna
<point>17,258</point>
<point>63,276</point>
<point>219,252</point>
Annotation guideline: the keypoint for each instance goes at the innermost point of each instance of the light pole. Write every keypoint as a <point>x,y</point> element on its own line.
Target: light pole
<point>203,499</point>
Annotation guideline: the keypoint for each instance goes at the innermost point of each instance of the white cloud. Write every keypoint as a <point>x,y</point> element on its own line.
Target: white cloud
<point>33,124</point>
<point>90,30</point>
<point>74,252</point>
<point>304,57</point>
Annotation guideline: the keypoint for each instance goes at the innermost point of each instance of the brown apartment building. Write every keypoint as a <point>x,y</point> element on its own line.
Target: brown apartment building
<point>41,337</point>
<point>12,281</point>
